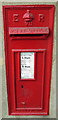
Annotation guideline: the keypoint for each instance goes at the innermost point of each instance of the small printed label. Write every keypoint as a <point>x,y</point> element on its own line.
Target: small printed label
<point>27,65</point>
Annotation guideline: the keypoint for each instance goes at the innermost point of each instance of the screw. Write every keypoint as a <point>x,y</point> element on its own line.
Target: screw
<point>23,103</point>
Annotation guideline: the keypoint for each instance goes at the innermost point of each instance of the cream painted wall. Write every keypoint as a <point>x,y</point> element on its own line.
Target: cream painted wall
<point>3,85</point>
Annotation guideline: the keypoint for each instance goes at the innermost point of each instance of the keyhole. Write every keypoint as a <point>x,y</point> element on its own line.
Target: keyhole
<point>22,86</point>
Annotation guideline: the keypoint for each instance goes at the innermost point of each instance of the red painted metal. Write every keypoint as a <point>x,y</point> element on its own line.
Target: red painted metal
<point>28,28</point>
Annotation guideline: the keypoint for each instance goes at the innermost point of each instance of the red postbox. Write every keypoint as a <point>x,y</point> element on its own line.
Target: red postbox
<point>28,38</point>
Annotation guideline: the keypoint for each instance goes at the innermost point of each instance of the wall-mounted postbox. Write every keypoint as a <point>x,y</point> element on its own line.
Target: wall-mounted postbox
<point>28,34</point>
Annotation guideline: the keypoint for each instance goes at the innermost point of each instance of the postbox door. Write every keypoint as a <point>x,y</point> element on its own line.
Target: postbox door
<point>29,83</point>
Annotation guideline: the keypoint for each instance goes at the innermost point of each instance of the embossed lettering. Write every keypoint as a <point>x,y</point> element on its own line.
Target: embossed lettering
<point>41,17</point>
<point>15,17</point>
